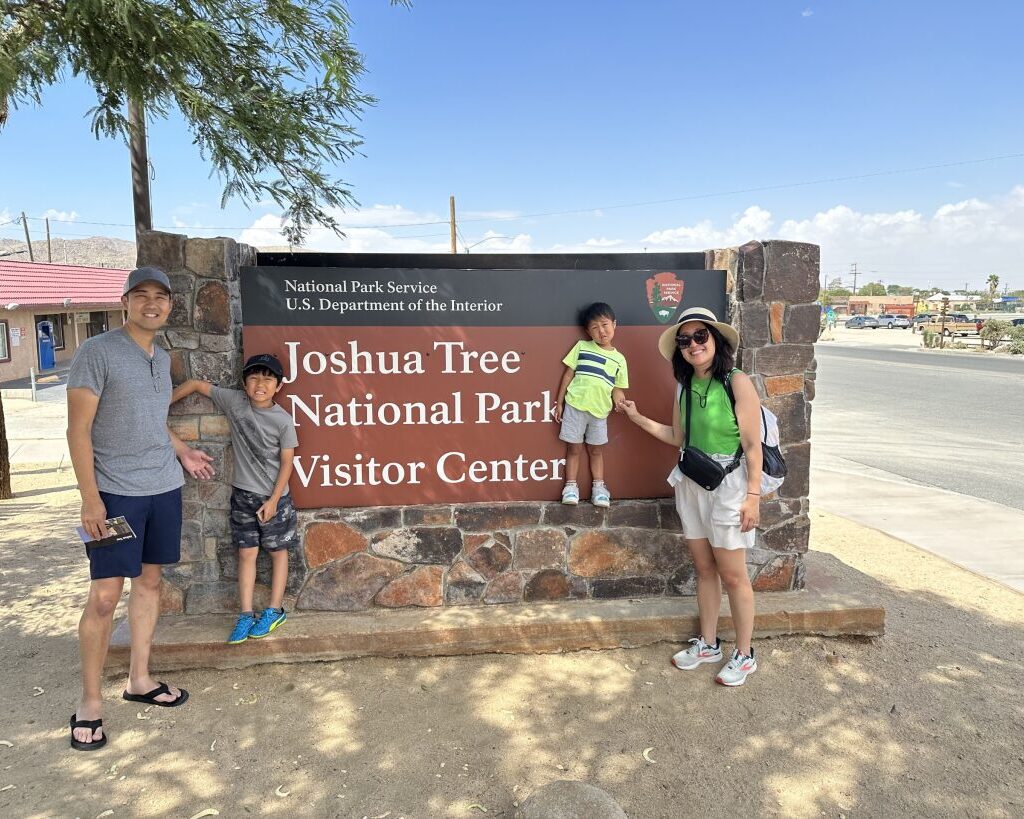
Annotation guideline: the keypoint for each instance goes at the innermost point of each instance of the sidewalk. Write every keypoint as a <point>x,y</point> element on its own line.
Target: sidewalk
<point>37,431</point>
<point>50,385</point>
<point>984,537</point>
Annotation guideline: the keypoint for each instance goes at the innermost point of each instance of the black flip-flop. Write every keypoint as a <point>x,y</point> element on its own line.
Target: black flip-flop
<point>150,698</point>
<point>92,725</point>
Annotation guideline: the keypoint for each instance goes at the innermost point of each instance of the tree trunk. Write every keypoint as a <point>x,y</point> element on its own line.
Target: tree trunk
<point>5,458</point>
<point>140,167</point>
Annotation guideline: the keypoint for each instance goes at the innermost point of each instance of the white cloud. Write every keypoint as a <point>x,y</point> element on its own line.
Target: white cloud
<point>381,234</point>
<point>754,221</point>
<point>960,241</point>
<point>806,13</point>
<point>383,215</point>
<point>60,215</point>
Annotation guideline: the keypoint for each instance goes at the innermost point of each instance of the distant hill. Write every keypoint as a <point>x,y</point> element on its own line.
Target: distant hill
<point>96,251</point>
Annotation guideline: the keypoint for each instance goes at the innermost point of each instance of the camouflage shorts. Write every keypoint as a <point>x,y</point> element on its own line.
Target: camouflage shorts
<point>246,530</point>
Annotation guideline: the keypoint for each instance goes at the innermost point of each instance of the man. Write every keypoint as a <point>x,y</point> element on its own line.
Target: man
<point>126,462</point>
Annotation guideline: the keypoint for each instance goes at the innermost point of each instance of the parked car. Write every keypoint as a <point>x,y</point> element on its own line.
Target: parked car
<point>889,321</point>
<point>921,318</point>
<point>862,322</point>
<point>1017,322</point>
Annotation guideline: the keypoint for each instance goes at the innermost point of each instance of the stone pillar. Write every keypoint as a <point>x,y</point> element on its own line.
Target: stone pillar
<point>772,289</point>
<point>203,336</point>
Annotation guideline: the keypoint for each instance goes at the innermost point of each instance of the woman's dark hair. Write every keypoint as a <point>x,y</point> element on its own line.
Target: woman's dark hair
<point>595,311</point>
<point>721,365</point>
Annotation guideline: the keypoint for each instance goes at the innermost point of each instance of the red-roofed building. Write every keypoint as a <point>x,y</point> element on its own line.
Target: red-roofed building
<point>68,302</point>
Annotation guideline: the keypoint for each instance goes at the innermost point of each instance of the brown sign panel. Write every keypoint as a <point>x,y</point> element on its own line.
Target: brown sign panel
<point>418,386</point>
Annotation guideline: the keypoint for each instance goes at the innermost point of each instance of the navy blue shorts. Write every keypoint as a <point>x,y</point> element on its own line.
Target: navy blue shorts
<point>156,521</point>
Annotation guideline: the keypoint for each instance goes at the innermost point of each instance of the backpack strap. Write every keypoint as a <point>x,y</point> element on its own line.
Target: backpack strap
<point>686,423</point>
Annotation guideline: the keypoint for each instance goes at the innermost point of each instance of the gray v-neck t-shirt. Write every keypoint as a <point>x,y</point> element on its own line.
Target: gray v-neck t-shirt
<point>257,438</point>
<point>132,451</point>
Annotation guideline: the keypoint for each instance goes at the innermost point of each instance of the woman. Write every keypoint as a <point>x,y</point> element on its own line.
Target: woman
<point>719,524</point>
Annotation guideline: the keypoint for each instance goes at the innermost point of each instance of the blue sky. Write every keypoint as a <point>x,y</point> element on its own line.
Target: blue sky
<point>719,112</point>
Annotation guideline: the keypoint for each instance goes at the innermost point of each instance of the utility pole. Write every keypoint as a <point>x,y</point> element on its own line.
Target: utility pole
<point>855,275</point>
<point>28,239</point>
<point>49,247</point>
<point>451,220</point>
<point>140,167</point>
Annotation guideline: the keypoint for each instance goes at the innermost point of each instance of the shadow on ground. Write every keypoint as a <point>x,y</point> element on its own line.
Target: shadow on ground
<point>925,721</point>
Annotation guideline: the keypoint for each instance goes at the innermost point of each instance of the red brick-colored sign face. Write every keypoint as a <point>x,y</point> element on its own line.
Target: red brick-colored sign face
<point>435,409</point>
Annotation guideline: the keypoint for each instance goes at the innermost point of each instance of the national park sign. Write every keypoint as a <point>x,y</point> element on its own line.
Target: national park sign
<point>419,384</point>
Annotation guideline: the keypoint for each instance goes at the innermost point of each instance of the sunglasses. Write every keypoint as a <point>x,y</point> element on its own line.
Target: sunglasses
<point>700,336</point>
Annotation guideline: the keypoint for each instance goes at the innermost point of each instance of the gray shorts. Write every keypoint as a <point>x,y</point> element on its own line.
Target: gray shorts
<point>579,426</point>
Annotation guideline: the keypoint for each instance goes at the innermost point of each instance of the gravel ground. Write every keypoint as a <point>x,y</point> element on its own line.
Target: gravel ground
<point>926,721</point>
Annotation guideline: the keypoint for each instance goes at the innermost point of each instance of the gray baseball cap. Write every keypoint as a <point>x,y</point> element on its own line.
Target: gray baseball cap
<point>141,275</point>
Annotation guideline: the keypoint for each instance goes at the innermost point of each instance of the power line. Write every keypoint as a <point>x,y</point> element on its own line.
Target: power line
<point>574,211</point>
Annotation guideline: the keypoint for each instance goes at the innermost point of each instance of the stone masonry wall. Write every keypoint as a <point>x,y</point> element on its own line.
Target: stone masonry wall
<point>478,554</point>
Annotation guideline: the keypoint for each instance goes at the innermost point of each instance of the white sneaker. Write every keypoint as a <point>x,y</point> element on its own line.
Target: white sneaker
<point>736,670</point>
<point>699,652</point>
<point>600,496</point>
<point>571,494</point>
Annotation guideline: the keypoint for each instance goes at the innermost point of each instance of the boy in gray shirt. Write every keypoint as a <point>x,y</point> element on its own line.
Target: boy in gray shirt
<point>262,513</point>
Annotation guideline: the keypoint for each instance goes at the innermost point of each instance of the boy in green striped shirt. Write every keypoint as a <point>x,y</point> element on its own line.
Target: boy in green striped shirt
<point>594,378</point>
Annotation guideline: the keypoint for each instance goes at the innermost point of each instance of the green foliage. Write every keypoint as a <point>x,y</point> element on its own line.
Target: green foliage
<point>992,332</point>
<point>267,87</point>
<point>873,289</point>
<point>929,338</point>
<point>898,290</point>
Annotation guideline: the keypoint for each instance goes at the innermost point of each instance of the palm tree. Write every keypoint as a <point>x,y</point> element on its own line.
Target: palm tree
<point>993,285</point>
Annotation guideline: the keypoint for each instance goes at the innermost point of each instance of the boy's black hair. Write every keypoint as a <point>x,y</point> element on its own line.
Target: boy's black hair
<point>261,371</point>
<point>721,364</point>
<point>595,311</point>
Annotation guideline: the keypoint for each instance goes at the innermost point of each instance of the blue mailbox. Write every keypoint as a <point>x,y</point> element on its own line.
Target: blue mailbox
<point>44,336</point>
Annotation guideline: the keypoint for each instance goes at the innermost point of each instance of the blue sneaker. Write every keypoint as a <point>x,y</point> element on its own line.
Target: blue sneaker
<point>246,620</point>
<point>269,620</point>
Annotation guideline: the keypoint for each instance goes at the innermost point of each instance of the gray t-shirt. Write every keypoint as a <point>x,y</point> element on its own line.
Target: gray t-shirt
<point>257,438</point>
<point>132,451</point>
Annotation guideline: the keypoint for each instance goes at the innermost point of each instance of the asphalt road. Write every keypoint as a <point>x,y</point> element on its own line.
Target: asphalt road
<point>954,421</point>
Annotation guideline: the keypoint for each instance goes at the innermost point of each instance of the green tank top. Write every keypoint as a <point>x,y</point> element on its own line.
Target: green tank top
<point>713,427</point>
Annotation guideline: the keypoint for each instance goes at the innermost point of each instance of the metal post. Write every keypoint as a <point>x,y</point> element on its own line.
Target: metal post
<point>28,239</point>
<point>451,221</point>
<point>32,377</point>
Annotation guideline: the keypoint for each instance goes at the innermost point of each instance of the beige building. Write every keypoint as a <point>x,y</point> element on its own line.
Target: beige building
<point>876,305</point>
<point>47,310</point>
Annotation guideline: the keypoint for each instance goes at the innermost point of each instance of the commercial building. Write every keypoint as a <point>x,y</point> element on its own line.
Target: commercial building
<point>47,310</point>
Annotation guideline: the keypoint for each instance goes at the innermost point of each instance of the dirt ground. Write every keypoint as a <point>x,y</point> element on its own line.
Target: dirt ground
<point>926,721</point>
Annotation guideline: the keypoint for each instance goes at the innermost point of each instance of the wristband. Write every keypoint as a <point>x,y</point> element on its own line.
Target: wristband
<point>758,494</point>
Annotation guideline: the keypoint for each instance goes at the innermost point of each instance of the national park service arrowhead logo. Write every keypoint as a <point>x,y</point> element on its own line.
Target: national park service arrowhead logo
<point>664,295</point>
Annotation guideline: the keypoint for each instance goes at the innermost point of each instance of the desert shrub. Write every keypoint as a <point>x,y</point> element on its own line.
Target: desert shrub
<point>992,331</point>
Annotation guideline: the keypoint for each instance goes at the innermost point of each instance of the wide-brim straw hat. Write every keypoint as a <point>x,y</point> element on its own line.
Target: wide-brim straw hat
<point>667,342</point>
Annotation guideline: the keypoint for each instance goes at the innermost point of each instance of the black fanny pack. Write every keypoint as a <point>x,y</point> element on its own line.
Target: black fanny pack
<point>704,470</point>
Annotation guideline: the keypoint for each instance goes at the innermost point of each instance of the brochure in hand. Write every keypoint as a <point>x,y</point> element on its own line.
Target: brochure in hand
<point>118,529</point>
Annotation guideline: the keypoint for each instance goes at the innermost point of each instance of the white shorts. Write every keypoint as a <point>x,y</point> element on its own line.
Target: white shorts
<point>714,515</point>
